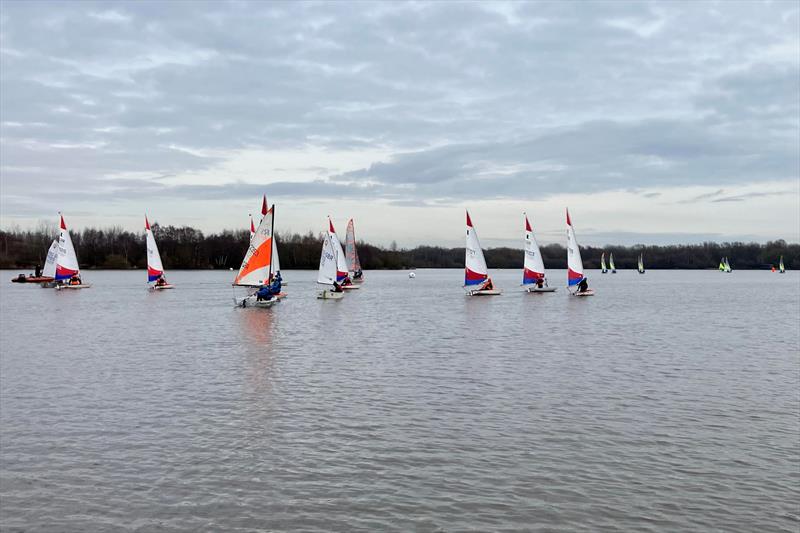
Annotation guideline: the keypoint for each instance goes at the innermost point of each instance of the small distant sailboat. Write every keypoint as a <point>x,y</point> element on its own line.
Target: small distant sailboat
<point>603,267</point>
<point>252,228</point>
<point>574,263</point>
<point>727,266</point>
<point>328,270</point>
<point>68,273</point>
<point>476,274</point>
<point>611,264</point>
<point>722,265</point>
<point>533,278</point>
<point>640,264</point>
<point>256,268</point>
<point>342,275</point>
<point>155,269</point>
<point>353,263</point>
<point>781,268</point>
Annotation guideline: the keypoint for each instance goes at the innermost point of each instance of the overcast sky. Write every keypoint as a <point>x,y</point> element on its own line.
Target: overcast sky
<point>654,122</point>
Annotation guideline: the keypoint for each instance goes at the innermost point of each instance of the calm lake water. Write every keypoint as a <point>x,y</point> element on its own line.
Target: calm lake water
<point>667,402</point>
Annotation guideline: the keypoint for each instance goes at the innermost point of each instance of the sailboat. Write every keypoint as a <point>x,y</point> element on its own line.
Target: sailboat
<point>342,276</point>
<point>256,267</point>
<point>328,269</point>
<point>603,268</point>
<point>476,274</point>
<point>574,263</point>
<point>252,228</point>
<point>47,275</point>
<point>781,268</point>
<point>640,264</point>
<point>155,269</point>
<point>353,263</point>
<point>533,265</point>
<point>722,265</point>
<point>611,263</point>
<point>68,272</point>
<point>728,266</point>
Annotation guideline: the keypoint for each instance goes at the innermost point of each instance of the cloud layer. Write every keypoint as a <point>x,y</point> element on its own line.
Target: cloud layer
<point>411,103</point>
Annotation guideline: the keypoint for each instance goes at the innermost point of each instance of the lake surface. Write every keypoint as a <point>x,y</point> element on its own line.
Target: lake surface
<point>667,402</point>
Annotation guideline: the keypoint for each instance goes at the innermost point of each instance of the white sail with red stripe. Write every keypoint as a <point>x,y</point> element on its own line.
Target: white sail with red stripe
<point>533,267</point>
<point>353,263</point>
<point>475,270</point>
<point>341,261</point>
<point>574,262</point>
<point>67,262</point>
<point>252,228</point>
<point>155,269</point>
<point>49,270</point>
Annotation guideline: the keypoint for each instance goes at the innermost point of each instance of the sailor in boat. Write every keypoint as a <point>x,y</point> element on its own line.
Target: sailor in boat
<point>583,286</point>
<point>541,283</point>
<point>347,281</point>
<point>358,274</point>
<point>38,270</point>
<point>336,287</point>
<point>75,280</point>
<point>487,285</point>
<point>160,282</point>
<point>20,279</point>
<point>264,293</point>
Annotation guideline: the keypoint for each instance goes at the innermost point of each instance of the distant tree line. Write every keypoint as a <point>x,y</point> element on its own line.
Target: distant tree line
<point>188,248</point>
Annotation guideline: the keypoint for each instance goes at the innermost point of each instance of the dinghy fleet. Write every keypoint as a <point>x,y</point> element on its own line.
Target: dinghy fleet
<point>259,275</point>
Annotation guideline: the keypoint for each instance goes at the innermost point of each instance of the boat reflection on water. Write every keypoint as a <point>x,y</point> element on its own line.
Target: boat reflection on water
<point>258,327</point>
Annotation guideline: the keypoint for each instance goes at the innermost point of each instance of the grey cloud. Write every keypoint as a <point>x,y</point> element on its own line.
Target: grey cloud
<point>497,100</point>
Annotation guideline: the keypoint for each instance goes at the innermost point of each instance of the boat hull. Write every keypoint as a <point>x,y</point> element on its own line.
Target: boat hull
<point>251,302</point>
<point>73,287</point>
<point>33,279</point>
<point>534,290</point>
<point>330,295</point>
<point>350,287</point>
<point>589,292</point>
<point>486,292</point>
<point>162,287</point>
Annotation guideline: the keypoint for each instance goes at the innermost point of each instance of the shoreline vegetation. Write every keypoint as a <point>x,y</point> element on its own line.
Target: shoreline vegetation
<point>190,249</point>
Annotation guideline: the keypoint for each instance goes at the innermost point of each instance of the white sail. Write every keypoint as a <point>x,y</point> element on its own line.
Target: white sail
<point>67,261</point>
<point>276,261</point>
<point>603,268</point>
<point>327,262</point>
<point>49,270</point>
<point>475,270</point>
<point>640,264</point>
<point>781,267</point>
<point>574,262</point>
<point>256,267</point>
<point>611,262</point>
<point>533,267</point>
<point>341,261</point>
<point>155,269</point>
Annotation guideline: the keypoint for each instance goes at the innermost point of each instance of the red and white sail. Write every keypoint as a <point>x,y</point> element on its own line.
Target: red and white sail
<point>341,262</point>
<point>155,269</point>
<point>67,261</point>
<point>49,270</point>
<point>255,269</point>
<point>475,271</point>
<point>574,262</point>
<point>533,267</point>
<point>252,228</point>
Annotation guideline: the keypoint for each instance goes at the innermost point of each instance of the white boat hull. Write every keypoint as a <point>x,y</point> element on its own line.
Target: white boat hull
<point>538,290</point>
<point>74,287</point>
<point>330,295</point>
<point>589,292</point>
<point>350,287</point>
<point>254,303</point>
<point>486,292</point>
<point>162,287</point>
